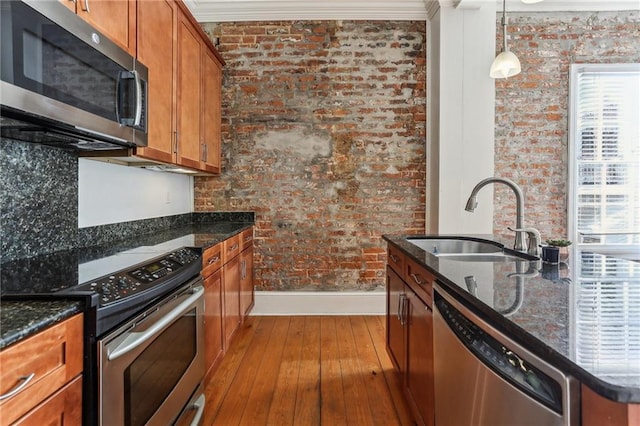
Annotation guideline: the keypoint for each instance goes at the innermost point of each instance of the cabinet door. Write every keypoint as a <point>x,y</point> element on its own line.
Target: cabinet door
<point>157,23</point>
<point>213,320</point>
<point>211,112</point>
<point>189,94</point>
<point>231,296</point>
<point>395,319</point>
<point>114,18</point>
<point>246,280</point>
<point>419,376</point>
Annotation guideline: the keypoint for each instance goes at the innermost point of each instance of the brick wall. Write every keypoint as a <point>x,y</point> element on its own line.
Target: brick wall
<point>323,137</point>
<point>532,107</point>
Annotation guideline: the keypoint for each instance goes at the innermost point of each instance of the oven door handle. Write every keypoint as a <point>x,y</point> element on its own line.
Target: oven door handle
<point>133,340</point>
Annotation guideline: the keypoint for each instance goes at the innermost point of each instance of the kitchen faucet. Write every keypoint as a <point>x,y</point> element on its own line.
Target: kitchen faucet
<point>533,234</point>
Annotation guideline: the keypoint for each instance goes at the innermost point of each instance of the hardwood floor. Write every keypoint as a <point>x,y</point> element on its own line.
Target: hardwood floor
<point>307,371</point>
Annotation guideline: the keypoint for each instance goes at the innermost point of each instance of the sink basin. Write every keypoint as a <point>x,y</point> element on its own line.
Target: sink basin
<point>443,246</point>
<point>463,250</point>
<point>480,257</point>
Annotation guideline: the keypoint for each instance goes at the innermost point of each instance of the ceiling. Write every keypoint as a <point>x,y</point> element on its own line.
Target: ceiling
<point>269,10</point>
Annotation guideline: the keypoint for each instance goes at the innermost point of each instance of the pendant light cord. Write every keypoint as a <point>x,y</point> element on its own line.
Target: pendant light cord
<point>505,48</point>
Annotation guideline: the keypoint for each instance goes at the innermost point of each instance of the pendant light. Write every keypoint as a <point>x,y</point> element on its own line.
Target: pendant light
<point>506,64</point>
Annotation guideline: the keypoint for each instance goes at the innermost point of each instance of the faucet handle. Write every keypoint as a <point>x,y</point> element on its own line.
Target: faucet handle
<point>534,240</point>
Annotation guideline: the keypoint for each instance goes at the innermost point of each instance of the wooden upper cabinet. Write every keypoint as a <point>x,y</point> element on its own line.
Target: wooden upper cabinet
<point>157,26</point>
<point>189,93</point>
<point>211,112</point>
<point>114,18</point>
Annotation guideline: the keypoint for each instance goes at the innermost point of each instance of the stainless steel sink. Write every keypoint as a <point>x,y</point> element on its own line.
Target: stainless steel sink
<point>464,250</point>
<point>480,257</point>
<point>443,246</point>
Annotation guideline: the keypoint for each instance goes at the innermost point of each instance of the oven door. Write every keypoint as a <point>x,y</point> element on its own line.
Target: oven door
<point>150,367</point>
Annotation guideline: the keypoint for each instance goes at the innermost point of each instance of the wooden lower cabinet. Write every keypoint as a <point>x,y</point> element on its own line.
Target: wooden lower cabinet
<point>410,333</point>
<point>419,385</point>
<point>599,411</point>
<point>214,342</point>
<point>246,281</point>
<point>63,408</point>
<point>231,294</point>
<point>395,320</point>
<point>53,359</point>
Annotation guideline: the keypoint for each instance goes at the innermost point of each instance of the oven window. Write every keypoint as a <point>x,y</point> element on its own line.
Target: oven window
<point>156,371</point>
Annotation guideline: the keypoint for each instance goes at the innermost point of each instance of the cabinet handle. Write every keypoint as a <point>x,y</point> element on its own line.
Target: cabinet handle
<point>175,142</point>
<point>400,308</point>
<point>205,152</point>
<point>86,6</point>
<point>213,260</point>
<point>404,309</point>
<point>233,247</point>
<point>394,258</point>
<point>416,278</point>
<point>25,381</point>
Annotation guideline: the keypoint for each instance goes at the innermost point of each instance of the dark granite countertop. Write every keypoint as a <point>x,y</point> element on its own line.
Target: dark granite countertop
<point>541,306</point>
<point>28,286</point>
<point>22,318</point>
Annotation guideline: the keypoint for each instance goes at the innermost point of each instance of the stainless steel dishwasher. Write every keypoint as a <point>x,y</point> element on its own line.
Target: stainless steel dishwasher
<point>482,378</point>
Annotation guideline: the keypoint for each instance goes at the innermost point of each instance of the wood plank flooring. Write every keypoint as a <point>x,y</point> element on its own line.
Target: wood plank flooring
<point>307,371</point>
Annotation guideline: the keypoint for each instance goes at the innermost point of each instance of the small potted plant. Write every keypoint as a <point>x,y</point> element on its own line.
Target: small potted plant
<point>556,251</point>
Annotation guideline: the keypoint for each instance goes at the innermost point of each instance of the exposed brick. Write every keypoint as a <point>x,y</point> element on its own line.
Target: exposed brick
<point>324,138</point>
<point>531,108</point>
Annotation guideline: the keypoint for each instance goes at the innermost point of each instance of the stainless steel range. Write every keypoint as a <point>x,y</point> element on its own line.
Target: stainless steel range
<point>144,349</point>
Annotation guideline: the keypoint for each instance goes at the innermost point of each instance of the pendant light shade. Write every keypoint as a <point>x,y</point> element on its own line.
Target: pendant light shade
<point>506,64</point>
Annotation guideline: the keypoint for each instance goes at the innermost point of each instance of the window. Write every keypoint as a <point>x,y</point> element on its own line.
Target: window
<point>604,216</point>
<point>604,199</point>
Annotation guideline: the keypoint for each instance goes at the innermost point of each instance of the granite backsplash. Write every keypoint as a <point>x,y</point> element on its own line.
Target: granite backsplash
<point>38,199</point>
<point>39,206</point>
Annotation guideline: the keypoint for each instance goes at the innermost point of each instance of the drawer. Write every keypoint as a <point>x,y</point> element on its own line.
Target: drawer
<point>53,356</point>
<point>246,238</point>
<point>420,280</point>
<point>211,260</point>
<point>396,259</point>
<point>231,248</point>
<point>66,404</point>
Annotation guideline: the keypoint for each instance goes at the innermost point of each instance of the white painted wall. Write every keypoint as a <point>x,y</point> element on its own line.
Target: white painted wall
<point>111,193</point>
<point>466,122</point>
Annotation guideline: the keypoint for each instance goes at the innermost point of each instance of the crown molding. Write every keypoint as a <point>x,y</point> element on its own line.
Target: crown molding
<point>295,10</point>
<point>571,5</point>
<point>401,10</point>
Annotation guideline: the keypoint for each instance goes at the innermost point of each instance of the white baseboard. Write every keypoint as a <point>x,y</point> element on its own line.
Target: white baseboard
<point>319,303</point>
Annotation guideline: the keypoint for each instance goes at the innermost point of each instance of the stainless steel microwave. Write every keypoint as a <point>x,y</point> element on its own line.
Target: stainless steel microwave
<point>65,84</point>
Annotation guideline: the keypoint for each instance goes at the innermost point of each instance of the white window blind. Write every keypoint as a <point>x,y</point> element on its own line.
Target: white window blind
<point>604,216</point>
<point>606,154</point>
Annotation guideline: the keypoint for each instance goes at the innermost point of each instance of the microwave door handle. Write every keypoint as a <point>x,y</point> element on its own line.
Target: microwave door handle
<point>120,76</point>
<point>138,119</point>
<point>133,340</point>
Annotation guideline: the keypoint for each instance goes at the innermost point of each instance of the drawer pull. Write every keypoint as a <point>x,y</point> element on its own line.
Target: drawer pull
<point>213,260</point>
<point>25,381</point>
<point>248,238</point>
<point>416,278</point>
<point>394,258</point>
<point>234,247</point>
